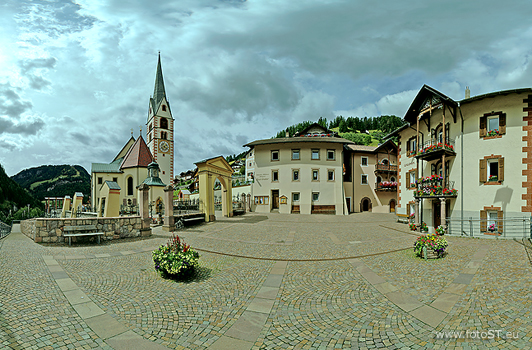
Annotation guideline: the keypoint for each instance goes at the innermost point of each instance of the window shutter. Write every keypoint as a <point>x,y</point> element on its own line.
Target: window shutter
<point>433,135</point>
<point>483,221</point>
<point>502,124</point>
<point>124,202</point>
<point>482,171</point>
<point>500,216</point>
<point>134,201</point>
<point>501,169</point>
<point>433,169</point>
<point>408,147</point>
<point>482,130</point>
<point>447,136</point>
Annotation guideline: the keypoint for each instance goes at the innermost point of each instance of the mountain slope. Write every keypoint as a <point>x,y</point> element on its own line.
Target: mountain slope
<point>11,193</point>
<point>54,181</point>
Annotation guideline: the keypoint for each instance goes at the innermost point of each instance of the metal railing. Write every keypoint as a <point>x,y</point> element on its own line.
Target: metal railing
<point>5,229</point>
<point>518,227</point>
<point>188,206</point>
<point>435,145</point>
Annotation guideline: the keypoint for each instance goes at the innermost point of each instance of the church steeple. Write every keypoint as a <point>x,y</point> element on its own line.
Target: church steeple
<point>158,91</point>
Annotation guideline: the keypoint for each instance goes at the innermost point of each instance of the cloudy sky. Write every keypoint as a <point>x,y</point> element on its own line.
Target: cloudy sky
<point>76,76</point>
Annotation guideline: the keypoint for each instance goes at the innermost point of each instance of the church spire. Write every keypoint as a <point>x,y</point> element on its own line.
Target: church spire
<point>158,91</point>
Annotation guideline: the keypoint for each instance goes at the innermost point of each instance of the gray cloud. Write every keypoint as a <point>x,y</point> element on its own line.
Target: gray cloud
<point>11,104</point>
<point>28,65</point>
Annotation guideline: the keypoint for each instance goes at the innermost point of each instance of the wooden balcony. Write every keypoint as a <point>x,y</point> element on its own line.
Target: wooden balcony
<point>433,150</point>
<point>386,168</point>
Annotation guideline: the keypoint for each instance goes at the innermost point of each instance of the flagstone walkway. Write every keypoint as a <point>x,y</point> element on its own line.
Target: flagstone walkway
<point>269,282</point>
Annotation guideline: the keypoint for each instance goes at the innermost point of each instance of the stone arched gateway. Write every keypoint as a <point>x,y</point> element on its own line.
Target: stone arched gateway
<point>208,171</point>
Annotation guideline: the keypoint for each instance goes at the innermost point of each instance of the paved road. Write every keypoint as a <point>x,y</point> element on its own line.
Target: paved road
<point>268,282</point>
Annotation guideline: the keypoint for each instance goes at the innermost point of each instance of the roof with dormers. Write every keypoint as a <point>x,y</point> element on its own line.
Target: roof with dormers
<point>138,155</point>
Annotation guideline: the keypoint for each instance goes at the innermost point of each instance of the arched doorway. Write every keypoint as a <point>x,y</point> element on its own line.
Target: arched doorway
<point>392,205</point>
<point>365,204</point>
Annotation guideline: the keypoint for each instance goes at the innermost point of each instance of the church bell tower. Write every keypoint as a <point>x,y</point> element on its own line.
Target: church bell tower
<point>160,129</point>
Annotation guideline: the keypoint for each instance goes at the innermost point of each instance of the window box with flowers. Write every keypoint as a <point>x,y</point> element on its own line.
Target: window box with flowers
<point>387,186</point>
<point>493,178</point>
<point>492,133</point>
<point>436,147</point>
<point>430,246</point>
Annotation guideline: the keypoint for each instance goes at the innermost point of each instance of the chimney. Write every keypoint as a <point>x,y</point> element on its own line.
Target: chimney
<point>467,92</point>
<point>287,134</point>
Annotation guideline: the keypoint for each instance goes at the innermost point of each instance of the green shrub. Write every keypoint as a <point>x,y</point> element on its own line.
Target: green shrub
<point>175,259</point>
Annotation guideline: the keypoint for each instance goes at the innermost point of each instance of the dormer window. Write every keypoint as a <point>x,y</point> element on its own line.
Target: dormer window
<point>164,108</point>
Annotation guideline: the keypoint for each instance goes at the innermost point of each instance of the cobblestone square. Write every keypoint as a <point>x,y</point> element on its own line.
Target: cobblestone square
<point>269,282</point>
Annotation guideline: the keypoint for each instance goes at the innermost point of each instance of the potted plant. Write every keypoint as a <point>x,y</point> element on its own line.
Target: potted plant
<point>440,230</point>
<point>430,246</point>
<point>424,227</point>
<point>493,178</point>
<point>175,259</point>
<point>492,228</point>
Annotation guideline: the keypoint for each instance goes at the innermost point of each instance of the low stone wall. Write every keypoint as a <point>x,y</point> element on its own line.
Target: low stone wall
<point>51,230</point>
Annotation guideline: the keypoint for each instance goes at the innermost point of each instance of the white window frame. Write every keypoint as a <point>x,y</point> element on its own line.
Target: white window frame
<point>317,194</point>
<point>364,179</point>
<point>362,161</point>
<point>488,170</point>
<point>329,171</point>
<point>294,151</point>
<point>298,175</point>
<point>314,151</point>
<point>278,155</point>
<point>275,171</point>
<point>490,118</point>
<point>333,154</point>
<point>317,172</point>
<point>294,198</point>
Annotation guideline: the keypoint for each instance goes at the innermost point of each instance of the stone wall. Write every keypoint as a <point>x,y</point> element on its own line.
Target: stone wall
<point>51,230</point>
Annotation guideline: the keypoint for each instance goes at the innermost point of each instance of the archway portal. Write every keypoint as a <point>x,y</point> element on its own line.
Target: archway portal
<point>208,171</point>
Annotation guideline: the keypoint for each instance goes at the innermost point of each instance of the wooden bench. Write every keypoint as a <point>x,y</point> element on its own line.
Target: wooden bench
<point>323,209</point>
<point>79,231</point>
<point>403,218</point>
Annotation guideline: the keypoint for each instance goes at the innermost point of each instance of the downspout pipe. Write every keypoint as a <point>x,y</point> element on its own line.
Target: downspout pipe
<point>461,170</point>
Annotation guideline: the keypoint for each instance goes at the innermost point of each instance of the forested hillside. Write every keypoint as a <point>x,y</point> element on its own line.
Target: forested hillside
<point>14,200</point>
<point>54,181</point>
<point>362,131</point>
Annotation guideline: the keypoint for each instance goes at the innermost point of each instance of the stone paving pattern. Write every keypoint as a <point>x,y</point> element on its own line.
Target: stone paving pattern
<point>267,282</point>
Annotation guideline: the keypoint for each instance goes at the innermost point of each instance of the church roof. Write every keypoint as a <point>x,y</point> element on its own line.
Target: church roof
<point>125,149</point>
<point>105,168</point>
<point>138,155</point>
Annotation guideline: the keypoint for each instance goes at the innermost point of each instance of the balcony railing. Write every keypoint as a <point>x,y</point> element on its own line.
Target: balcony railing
<point>386,186</point>
<point>386,167</point>
<point>435,188</point>
<point>433,148</point>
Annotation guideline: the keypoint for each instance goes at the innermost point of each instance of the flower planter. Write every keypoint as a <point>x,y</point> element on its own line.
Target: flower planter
<point>431,253</point>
